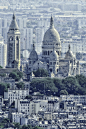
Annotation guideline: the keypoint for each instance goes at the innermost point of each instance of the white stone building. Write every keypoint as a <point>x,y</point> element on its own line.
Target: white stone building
<point>26,106</point>
<point>51,59</point>
<point>19,118</point>
<point>12,95</point>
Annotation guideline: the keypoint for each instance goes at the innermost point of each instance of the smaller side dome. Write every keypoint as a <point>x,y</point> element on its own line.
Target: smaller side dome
<point>33,55</point>
<point>69,54</point>
<point>54,55</point>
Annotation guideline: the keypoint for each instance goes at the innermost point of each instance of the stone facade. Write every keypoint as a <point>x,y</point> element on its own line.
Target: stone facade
<point>51,57</point>
<point>13,45</point>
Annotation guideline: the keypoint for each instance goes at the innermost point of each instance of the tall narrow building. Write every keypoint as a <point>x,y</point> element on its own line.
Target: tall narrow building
<point>13,45</point>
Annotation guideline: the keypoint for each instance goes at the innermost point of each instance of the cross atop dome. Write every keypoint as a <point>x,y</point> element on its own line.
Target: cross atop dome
<point>51,21</point>
<point>33,46</point>
<point>69,47</point>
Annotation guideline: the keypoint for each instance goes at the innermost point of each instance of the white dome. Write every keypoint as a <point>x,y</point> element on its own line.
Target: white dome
<point>51,35</point>
<point>69,54</point>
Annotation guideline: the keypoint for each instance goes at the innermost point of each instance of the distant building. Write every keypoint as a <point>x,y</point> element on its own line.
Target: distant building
<point>26,106</point>
<point>3,53</point>
<point>15,94</point>
<point>29,38</point>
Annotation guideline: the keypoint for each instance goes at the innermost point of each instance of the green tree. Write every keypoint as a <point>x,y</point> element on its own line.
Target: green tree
<point>5,120</point>
<point>82,82</point>
<point>1,67</point>
<point>58,83</point>
<point>44,85</point>
<point>20,85</point>
<point>71,85</point>
<point>16,75</point>
<point>29,127</point>
<point>41,73</point>
<point>17,125</point>
<point>36,127</point>
<point>28,97</point>
<point>3,88</point>
<point>24,127</point>
<point>20,74</point>
<point>4,123</point>
<point>2,74</point>
<point>63,92</point>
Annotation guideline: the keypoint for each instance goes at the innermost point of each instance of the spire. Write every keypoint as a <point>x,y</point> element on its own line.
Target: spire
<point>51,21</point>
<point>33,46</point>
<point>69,47</point>
<point>14,16</point>
<point>13,25</point>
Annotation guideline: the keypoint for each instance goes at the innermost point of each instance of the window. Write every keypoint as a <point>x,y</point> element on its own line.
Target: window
<point>17,38</point>
<point>54,63</point>
<point>50,63</point>
<point>11,38</point>
<point>50,70</point>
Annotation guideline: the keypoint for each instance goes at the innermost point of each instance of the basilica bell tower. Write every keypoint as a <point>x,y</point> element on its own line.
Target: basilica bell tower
<point>13,45</point>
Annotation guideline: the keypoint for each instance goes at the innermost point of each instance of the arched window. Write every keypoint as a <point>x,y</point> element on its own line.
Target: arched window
<point>50,63</point>
<point>11,38</point>
<point>48,52</point>
<point>17,38</point>
<point>50,70</point>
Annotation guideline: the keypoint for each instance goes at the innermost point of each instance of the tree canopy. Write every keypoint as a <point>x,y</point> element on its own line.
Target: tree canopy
<point>44,86</point>
<point>4,88</point>
<point>54,86</point>
<point>17,75</point>
<point>1,67</point>
<point>20,85</point>
<point>41,73</point>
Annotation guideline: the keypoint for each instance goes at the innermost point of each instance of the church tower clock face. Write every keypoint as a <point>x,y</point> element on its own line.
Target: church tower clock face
<point>13,45</point>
